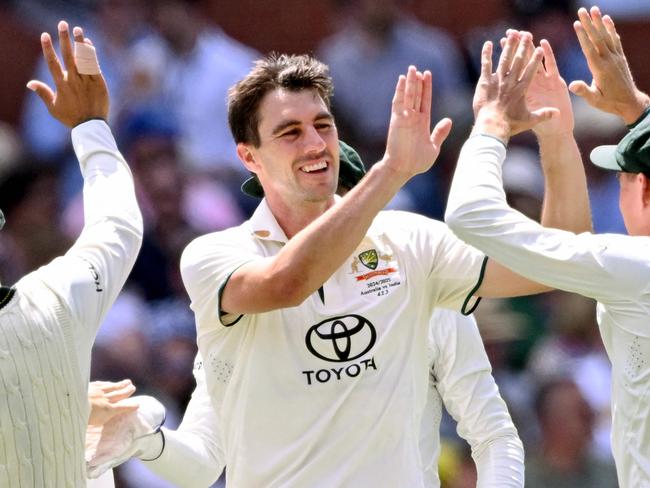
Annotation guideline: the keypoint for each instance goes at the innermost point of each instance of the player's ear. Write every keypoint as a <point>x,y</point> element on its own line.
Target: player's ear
<point>247,156</point>
<point>644,181</point>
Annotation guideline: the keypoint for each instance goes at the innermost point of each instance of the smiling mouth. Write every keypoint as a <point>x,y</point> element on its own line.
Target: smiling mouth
<point>315,167</point>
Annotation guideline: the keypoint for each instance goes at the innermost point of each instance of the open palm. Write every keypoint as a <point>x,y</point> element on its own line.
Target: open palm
<point>548,89</point>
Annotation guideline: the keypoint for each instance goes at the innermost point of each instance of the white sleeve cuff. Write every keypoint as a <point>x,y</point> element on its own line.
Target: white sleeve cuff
<point>90,137</point>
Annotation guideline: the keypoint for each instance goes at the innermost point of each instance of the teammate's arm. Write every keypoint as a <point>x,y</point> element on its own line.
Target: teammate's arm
<point>90,275</point>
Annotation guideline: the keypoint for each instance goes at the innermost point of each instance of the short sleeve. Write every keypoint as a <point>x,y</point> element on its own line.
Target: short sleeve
<point>206,265</point>
<point>451,269</point>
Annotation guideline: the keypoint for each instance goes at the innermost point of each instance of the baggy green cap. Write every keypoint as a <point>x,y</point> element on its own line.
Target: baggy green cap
<point>351,170</point>
<point>631,155</point>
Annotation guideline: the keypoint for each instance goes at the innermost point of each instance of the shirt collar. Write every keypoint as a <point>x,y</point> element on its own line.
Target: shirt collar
<point>264,225</point>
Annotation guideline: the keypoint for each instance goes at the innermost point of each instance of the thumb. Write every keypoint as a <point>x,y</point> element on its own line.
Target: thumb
<point>441,131</point>
<point>543,114</point>
<point>43,91</point>
<point>583,90</point>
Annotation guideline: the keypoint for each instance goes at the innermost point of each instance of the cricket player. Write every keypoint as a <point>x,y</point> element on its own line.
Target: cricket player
<point>613,269</point>
<point>312,316</point>
<point>49,318</point>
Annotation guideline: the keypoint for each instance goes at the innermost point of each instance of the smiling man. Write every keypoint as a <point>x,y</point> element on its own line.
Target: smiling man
<point>313,316</point>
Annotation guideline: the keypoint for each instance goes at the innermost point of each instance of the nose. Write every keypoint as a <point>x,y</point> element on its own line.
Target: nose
<point>313,141</point>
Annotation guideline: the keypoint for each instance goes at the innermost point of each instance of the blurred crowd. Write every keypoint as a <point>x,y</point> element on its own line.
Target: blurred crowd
<point>169,68</point>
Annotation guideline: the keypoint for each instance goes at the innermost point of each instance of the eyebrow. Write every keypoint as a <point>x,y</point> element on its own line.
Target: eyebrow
<point>288,123</point>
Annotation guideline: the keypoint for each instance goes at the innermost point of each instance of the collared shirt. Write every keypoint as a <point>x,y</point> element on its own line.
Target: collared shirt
<point>331,392</point>
<point>613,269</point>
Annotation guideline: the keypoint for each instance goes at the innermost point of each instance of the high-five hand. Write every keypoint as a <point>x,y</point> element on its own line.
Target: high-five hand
<point>548,89</point>
<point>500,97</point>
<point>612,88</point>
<point>78,97</point>
<point>411,147</point>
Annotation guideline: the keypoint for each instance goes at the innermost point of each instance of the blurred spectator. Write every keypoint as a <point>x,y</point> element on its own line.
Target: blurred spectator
<point>374,44</point>
<point>563,459</point>
<point>188,75</point>
<point>32,236</point>
<point>573,349</point>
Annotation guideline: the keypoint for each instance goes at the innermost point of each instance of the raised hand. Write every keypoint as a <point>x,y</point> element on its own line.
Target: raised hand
<point>77,97</point>
<point>411,147</point>
<point>548,89</point>
<point>500,97</point>
<point>612,88</point>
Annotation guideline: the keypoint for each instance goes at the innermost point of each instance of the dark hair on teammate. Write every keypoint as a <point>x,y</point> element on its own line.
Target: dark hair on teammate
<point>290,72</point>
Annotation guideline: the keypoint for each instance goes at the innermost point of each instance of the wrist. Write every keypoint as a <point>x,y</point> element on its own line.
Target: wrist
<point>632,113</point>
<point>492,123</point>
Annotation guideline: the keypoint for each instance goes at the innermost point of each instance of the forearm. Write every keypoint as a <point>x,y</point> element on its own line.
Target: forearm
<point>187,460</point>
<point>109,192</point>
<point>311,256</point>
<point>566,201</point>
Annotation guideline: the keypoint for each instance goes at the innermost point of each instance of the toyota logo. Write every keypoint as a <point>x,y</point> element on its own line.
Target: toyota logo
<point>341,339</point>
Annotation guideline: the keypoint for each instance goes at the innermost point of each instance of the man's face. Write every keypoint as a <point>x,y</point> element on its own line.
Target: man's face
<point>297,160</point>
<point>631,202</point>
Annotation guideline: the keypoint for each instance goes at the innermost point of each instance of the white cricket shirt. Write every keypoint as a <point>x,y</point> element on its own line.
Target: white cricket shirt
<point>331,392</point>
<point>460,377</point>
<point>613,269</point>
<point>49,319</point>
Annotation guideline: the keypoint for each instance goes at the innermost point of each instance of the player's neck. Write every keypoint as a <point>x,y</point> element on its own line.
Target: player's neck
<point>292,218</point>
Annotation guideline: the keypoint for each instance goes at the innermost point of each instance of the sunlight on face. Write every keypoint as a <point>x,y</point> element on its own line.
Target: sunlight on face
<point>297,159</point>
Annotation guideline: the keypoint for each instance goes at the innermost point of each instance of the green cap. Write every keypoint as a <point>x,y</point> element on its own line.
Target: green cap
<point>351,170</point>
<point>631,155</point>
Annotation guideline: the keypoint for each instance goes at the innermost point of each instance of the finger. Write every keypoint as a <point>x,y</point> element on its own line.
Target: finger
<point>589,27</point>
<point>52,60</point>
<point>520,60</point>
<point>505,61</point>
<point>588,48</point>
<point>611,30</point>
<point>121,394</point>
<point>531,68</point>
<point>411,88</point>
<point>486,60</point>
<point>502,42</point>
<point>580,88</point>
<point>597,19</point>
<point>43,91</point>
<point>417,104</point>
<point>78,34</point>
<point>66,48</point>
<point>427,89</point>
<point>441,131</point>
<point>398,98</point>
<point>549,58</point>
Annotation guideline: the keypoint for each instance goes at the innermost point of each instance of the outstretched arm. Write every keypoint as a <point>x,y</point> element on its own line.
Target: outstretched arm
<point>478,213</point>
<point>565,179</point>
<point>612,89</point>
<point>91,274</point>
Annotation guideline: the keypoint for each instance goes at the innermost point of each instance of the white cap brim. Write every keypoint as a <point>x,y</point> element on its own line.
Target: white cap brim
<point>605,157</point>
